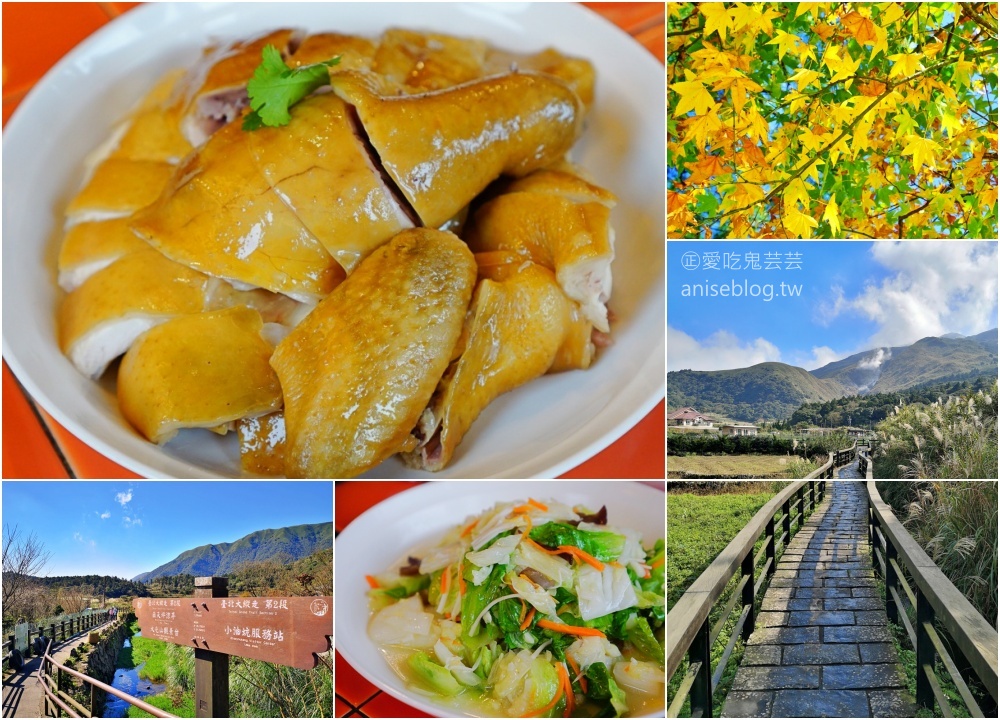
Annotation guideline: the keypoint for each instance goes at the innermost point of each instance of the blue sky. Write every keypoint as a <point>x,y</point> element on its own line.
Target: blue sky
<point>840,298</point>
<point>124,528</point>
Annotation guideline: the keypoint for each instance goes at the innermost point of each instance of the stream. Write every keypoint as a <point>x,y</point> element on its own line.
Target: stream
<point>128,681</point>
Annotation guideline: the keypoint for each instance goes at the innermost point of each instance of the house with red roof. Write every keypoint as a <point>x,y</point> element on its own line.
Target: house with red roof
<point>688,417</point>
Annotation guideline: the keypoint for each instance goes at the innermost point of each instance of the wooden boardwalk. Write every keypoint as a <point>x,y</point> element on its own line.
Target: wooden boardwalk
<point>822,645</point>
<point>22,691</point>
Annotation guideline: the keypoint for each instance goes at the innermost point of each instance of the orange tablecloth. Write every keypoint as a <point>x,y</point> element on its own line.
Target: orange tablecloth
<point>355,696</point>
<point>35,37</point>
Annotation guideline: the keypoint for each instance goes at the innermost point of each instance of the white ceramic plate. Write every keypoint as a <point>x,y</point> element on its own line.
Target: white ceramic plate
<point>539,430</point>
<point>425,513</point>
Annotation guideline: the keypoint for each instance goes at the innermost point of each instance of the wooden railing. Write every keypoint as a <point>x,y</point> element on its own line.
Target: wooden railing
<point>933,597</point>
<point>690,632</point>
<point>64,629</point>
<point>57,700</point>
<point>837,459</point>
<point>865,464</point>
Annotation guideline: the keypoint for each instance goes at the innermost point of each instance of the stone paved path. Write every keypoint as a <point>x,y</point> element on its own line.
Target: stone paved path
<point>821,647</point>
<point>850,471</point>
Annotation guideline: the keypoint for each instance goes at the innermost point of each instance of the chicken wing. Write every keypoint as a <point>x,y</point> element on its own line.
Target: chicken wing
<point>358,371</point>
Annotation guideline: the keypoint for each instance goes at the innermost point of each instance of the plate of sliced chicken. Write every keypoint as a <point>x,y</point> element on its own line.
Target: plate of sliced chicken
<point>341,240</point>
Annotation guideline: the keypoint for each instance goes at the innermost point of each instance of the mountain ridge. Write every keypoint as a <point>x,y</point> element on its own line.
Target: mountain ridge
<point>773,391</point>
<point>295,541</point>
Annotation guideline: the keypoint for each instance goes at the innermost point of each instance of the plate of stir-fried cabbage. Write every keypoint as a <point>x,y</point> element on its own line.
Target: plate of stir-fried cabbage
<point>509,599</point>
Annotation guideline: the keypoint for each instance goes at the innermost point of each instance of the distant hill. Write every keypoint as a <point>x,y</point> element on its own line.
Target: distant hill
<point>293,542</point>
<point>773,391</point>
<point>107,585</point>
<point>766,390</point>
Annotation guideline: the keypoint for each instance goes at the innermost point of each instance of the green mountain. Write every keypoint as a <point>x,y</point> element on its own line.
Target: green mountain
<point>293,542</point>
<point>764,391</point>
<point>773,391</point>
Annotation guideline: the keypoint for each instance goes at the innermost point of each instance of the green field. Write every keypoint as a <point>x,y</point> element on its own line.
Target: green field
<point>738,466</point>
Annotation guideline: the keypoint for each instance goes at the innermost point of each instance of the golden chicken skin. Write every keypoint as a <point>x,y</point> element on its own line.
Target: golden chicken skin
<point>513,334</point>
<point>198,371</point>
<point>558,220</point>
<point>359,370</point>
<point>441,149</point>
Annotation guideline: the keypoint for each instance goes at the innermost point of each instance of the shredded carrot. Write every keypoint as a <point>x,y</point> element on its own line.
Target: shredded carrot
<point>461,580</point>
<point>539,547</point>
<point>524,609</point>
<point>659,562</point>
<point>570,629</point>
<point>577,673</point>
<point>646,576</point>
<point>570,700</point>
<point>468,528</point>
<point>528,529</point>
<point>527,620</point>
<point>446,580</point>
<point>585,556</point>
<point>553,701</point>
<point>522,509</point>
<point>529,580</point>
<point>614,563</point>
<point>540,506</point>
<point>372,582</point>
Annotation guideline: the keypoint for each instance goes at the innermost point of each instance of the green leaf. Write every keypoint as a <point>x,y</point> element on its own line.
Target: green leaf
<point>275,87</point>
<point>707,204</point>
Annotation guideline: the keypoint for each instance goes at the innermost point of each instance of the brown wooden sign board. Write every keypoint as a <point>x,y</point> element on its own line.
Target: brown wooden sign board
<point>283,630</point>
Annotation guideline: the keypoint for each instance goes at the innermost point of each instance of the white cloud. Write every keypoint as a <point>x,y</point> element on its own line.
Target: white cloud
<point>933,288</point>
<point>721,350</point>
<point>105,515</point>
<point>124,498</point>
<point>820,356</point>
<point>78,537</point>
<point>128,521</point>
<point>93,544</point>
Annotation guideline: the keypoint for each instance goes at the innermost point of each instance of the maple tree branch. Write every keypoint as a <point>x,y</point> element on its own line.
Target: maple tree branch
<point>849,129</point>
<point>914,211</point>
<point>859,232</point>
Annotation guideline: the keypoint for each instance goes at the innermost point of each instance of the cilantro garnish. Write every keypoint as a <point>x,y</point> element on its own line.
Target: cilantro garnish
<point>275,87</point>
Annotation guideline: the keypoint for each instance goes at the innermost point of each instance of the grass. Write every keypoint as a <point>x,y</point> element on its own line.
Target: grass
<point>164,702</point>
<point>698,528</point>
<point>154,654</point>
<point>738,466</point>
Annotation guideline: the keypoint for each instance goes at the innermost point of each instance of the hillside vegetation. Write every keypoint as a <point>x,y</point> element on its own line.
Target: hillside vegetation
<point>768,390</point>
<point>291,543</point>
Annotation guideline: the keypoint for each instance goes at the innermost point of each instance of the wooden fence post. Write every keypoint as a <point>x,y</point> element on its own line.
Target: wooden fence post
<point>211,669</point>
<point>925,651</point>
<point>701,690</point>
<point>770,546</point>
<point>891,583</point>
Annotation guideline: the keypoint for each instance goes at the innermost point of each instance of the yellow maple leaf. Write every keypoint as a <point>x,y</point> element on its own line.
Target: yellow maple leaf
<point>796,191</point>
<point>813,170</point>
<point>924,151</point>
<point>707,167</point>
<point>797,100</point>
<point>701,127</point>
<point>693,96</point>
<point>747,194</point>
<point>891,12</point>
<point>757,125</point>
<point>963,71</point>
<point>738,84</point>
<point>905,64</point>
<point>805,78</point>
<point>717,19</point>
<point>810,141</point>
<point>881,42</point>
<point>800,224</point>
<point>786,42</point>
<point>832,215</point>
<point>950,123</point>
<point>842,69</point>
<point>811,7</point>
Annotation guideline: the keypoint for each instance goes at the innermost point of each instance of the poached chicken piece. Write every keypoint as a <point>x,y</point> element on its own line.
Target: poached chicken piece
<point>359,370</point>
<point>205,370</point>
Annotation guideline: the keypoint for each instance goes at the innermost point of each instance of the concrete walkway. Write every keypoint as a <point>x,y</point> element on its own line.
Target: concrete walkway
<point>22,691</point>
<point>822,646</point>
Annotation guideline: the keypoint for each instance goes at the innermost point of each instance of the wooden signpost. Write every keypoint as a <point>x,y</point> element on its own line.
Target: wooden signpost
<point>283,630</point>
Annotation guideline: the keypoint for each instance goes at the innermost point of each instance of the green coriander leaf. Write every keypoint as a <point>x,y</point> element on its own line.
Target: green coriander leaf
<point>275,87</point>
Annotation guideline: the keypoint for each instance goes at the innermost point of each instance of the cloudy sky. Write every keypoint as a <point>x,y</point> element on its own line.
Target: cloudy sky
<point>123,529</point>
<point>839,298</point>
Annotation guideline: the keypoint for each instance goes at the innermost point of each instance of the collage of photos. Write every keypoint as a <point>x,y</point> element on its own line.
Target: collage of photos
<point>832,256</point>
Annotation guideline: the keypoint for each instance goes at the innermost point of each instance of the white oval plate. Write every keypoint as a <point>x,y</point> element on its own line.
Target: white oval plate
<point>540,430</point>
<point>425,513</point>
